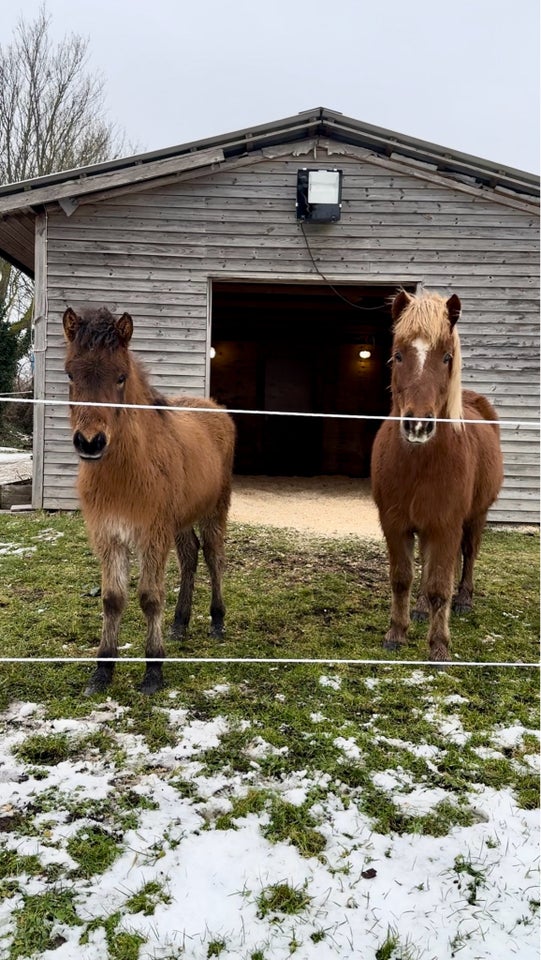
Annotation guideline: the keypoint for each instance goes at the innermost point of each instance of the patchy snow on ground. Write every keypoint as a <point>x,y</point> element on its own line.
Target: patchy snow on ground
<point>365,884</point>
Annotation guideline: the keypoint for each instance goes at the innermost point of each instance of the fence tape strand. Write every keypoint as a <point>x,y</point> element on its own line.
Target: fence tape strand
<point>531,424</point>
<point>280,661</point>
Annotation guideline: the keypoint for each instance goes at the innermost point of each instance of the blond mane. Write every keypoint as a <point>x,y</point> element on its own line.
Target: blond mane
<point>426,316</point>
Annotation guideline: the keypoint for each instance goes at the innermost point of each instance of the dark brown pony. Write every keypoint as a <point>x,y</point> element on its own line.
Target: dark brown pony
<point>145,478</point>
<point>433,479</point>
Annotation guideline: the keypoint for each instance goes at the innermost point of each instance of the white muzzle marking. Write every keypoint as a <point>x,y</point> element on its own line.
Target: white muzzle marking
<point>418,434</point>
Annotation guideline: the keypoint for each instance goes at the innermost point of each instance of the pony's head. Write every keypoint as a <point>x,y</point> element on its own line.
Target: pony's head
<point>426,363</point>
<point>98,365</point>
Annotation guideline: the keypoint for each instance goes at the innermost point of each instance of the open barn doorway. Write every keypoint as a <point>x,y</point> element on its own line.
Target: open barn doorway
<point>296,347</point>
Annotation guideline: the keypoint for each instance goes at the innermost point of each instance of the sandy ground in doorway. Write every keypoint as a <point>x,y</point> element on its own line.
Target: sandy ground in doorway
<point>328,506</point>
<point>325,506</point>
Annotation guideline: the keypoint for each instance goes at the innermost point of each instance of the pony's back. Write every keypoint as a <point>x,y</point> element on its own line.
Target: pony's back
<point>481,407</point>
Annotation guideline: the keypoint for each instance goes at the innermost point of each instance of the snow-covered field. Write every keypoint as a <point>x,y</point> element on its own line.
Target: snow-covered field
<point>208,882</point>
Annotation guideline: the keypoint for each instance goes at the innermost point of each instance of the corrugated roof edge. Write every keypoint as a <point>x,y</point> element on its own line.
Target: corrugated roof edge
<point>319,121</point>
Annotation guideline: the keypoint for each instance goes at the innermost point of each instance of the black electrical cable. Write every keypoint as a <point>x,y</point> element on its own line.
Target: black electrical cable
<point>357,306</point>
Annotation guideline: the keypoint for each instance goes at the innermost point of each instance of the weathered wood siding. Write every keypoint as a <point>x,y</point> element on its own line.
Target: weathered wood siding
<point>152,252</point>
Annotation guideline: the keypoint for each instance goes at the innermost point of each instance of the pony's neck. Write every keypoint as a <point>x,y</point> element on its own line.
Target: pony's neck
<point>138,388</point>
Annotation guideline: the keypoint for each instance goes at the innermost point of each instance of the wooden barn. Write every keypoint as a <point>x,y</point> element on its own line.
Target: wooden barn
<point>258,268</point>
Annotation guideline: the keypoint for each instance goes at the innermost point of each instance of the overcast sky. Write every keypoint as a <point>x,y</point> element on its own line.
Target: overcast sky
<point>462,74</point>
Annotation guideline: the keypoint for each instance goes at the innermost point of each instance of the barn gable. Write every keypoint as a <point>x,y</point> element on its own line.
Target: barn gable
<point>203,247</point>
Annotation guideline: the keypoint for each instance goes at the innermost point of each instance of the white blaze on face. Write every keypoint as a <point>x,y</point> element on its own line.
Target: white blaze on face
<point>422,350</point>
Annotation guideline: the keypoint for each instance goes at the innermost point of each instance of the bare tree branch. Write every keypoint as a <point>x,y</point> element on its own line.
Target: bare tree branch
<point>52,117</point>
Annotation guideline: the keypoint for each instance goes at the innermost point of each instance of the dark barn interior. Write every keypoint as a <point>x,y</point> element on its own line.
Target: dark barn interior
<point>295,347</point>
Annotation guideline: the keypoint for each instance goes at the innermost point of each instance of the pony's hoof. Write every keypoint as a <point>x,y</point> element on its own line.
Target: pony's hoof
<point>151,682</point>
<point>178,632</point>
<point>99,681</point>
<point>440,657</point>
<point>395,638</point>
<point>216,632</point>
<point>461,606</point>
<point>393,642</point>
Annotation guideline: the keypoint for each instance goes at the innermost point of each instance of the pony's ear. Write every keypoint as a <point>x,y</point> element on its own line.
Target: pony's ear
<point>124,328</point>
<point>70,321</point>
<point>453,309</point>
<point>399,303</point>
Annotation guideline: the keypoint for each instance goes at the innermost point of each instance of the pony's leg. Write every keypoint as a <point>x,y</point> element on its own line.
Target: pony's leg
<point>213,535</point>
<point>421,610</point>
<point>187,546</point>
<point>401,575</point>
<point>471,541</point>
<point>439,589</point>
<point>114,591</point>
<point>152,599</point>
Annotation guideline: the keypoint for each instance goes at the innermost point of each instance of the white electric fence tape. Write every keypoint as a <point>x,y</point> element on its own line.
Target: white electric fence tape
<point>532,424</point>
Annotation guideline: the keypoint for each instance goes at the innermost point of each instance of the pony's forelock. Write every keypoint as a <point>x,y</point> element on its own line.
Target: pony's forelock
<point>426,316</point>
<point>96,328</point>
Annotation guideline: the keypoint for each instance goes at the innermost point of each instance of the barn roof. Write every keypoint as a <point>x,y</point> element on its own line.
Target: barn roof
<point>20,202</point>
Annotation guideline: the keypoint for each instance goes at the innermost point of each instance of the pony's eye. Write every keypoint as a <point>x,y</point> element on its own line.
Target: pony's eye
<point>69,376</point>
<point>447,358</point>
<point>121,379</point>
<point>398,356</point>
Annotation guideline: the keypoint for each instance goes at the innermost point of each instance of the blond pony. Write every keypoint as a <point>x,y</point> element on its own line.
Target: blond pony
<point>427,316</point>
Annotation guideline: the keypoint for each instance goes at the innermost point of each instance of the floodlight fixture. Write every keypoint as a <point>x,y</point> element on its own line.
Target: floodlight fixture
<point>319,195</point>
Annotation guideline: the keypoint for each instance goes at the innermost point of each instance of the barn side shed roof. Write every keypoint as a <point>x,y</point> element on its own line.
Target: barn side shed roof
<point>20,202</point>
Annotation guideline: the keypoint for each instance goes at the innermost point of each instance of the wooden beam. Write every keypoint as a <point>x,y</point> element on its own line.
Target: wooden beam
<point>40,343</point>
<point>427,172</point>
<point>138,173</point>
<point>294,150</point>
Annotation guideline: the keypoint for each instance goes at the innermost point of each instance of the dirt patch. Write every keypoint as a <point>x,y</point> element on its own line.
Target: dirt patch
<point>324,506</point>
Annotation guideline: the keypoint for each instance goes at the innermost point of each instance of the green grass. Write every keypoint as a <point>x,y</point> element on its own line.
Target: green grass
<point>36,919</point>
<point>286,597</point>
<point>393,949</point>
<point>47,750</point>
<point>296,825</point>
<point>286,821</point>
<point>95,850</point>
<point>121,944</point>
<point>147,898</point>
<point>281,899</point>
<point>215,948</point>
<point>469,878</point>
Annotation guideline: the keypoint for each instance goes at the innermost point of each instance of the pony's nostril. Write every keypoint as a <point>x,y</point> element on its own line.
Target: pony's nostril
<point>89,449</point>
<point>430,426</point>
<point>406,420</point>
